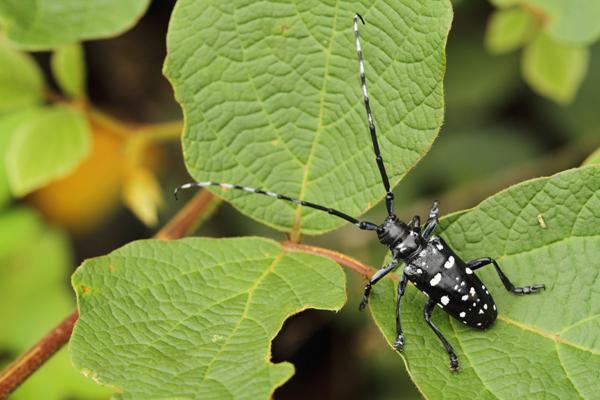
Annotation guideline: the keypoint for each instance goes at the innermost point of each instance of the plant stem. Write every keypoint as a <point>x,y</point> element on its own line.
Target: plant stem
<point>29,362</point>
<point>340,258</point>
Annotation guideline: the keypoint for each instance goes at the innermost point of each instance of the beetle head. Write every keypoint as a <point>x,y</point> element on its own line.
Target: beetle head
<point>392,231</point>
<point>398,236</point>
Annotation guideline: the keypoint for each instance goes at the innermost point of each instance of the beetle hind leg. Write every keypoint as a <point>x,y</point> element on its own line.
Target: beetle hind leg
<point>482,262</point>
<point>427,311</point>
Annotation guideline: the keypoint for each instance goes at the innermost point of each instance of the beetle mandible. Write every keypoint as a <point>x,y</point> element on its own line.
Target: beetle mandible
<point>430,264</point>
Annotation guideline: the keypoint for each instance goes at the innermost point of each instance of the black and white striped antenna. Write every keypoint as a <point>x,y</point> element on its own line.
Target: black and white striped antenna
<point>389,196</point>
<point>368,226</point>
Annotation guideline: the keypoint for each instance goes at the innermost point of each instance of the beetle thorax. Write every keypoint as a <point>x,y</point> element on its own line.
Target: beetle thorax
<point>396,235</point>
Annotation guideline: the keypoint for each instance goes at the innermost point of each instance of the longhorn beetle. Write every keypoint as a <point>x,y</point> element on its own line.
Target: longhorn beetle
<point>430,264</point>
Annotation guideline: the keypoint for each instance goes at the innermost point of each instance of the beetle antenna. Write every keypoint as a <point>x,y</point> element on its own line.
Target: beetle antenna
<point>389,196</point>
<point>368,226</point>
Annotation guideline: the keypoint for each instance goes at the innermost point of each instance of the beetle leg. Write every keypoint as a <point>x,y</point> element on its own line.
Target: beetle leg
<point>374,279</point>
<point>427,311</point>
<point>415,224</point>
<point>482,262</point>
<point>399,344</point>
<point>432,221</point>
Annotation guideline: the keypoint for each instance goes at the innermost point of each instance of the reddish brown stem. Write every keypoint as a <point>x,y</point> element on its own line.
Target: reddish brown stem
<point>340,258</point>
<point>30,361</point>
<point>17,372</point>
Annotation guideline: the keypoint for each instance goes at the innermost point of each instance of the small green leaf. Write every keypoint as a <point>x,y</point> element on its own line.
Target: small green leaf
<point>574,22</point>
<point>21,81</point>
<point>593,158</point>
<point>543,343</point>
<point>45,24</point>
<point>34,264</point>
<point>509,29</point>
<point>194,318</point>
<point>45,147</point>
<point>554,69</point>
<point>8,125</point>
<point>68,67</point>
<point>269,89</point>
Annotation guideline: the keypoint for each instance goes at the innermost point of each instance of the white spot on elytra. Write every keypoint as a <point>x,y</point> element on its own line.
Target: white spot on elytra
<point>455,287</point>
<point>485,306</point>
<point>445,300</point>
<point>456,279</point>
<point>486,292</point>
<point>483,287</point>
<point>462,314</point>
<point>419,271</point>
<point>436,279</point>
<point>478,300</point>
<point>462,283</point>
<point>449,262</point>
<point>494,307</point>
<point>480,311</point>
<point>465,322</point>
<point>468,270</point>
<point>439,246</point>
<point>479,324</point>
<point>472,291</point>
<point>474,304</point>
<point>465,297</point>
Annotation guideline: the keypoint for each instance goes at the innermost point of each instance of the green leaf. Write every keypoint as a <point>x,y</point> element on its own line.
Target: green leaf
<point>593,158</point>
<point>194,318</point>
<point>41,24</point>
<point>269,89</point>
<point>575,22</point>
<point>21,81</point>
<point>34,264</point>
<point>47,146</point>
<point>554,69</point>
<point>509,29</point>
<point>8,125</point>
<point>68,67</point>
<point>544,343</point>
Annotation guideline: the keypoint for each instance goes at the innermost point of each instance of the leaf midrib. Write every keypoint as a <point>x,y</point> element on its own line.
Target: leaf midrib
<point>303,187</point>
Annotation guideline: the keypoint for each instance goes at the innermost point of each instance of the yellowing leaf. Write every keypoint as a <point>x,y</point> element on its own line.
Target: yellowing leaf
<point>141,193</point>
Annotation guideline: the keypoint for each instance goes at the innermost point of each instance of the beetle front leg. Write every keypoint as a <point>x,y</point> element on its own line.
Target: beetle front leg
<point>432,221</point>
<point>374,279</point>
<point>427,311</point>
<point>399,343</point>
<point>482,262</point>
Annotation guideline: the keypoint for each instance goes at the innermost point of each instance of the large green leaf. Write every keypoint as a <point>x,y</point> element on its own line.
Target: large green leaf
<point>46,146</point>
<point>45,24</point>
<point>544,230</point>
<point>34,296</point>
<point>21,81</point>
<point>271,97</point>
<point>194,318</point>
